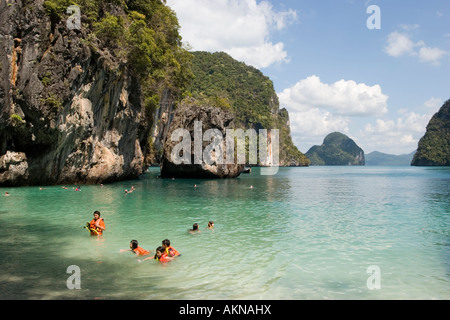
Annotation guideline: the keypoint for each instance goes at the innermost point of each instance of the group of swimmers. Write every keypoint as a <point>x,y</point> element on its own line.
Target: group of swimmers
<point>196,229</point>
<point>7,194</point>
<point>163,253</point>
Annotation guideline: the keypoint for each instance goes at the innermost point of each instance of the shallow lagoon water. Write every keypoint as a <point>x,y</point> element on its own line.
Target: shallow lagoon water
<point>304,233</point>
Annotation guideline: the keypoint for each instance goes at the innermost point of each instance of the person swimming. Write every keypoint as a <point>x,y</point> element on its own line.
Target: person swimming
<point>135,248</point>
<point>161,255</point>
<point>171,251</point>
<point>210,225</point>
<point>194,229</point>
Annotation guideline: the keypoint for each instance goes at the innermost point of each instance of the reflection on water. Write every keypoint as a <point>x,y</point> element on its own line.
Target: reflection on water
<point>305,233</point>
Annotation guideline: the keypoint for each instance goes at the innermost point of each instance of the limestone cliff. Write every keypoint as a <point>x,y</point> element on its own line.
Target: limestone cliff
<point>76,104</point>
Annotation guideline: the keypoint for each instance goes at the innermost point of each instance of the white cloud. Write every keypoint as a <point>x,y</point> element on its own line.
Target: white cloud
<point>316,122</point>
<point>260,56</point>
<point>317,109</point>
<point>432,55</point>
<point>343,97</point>
<point>400,44</point>
<point>241,28</point>
<point>380,127</point>
<point>413,123</point>
<point>402,134</point>
<point>310,127</point>
<point>433,103</point>
<point>408,27</point>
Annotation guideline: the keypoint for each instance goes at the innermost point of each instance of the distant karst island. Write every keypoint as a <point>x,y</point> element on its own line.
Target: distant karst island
<point>337,149</point>
<point>377,158</point>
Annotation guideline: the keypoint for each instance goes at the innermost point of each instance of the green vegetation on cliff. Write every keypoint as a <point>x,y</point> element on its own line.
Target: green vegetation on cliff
<point>434,147</point>
<point>142,35</point>
<point>222,81</point>
<point>249,93</point>
<point>337,149</point>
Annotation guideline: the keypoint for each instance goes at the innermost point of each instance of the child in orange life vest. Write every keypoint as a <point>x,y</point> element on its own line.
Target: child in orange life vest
<point>134,247</point>
<point>97,224</point>
<point>171,251</point>
<point>161,255</point>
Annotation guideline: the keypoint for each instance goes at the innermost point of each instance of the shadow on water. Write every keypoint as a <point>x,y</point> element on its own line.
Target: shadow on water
<point>37,268</point>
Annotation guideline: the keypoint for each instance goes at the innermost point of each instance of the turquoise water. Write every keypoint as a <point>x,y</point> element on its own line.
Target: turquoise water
<point>305,233</point>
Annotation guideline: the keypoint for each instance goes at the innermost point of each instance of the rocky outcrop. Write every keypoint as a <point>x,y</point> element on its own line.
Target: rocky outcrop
<point>337,149</point>
<point>162,119</point>
<point>13,167</point>
<point>434,146</point>
<point>184,119</point>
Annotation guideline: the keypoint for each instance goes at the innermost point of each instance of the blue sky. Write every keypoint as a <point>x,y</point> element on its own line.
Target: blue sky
<point>330,71</point>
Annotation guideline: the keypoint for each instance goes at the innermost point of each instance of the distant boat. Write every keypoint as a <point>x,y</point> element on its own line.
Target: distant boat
<point>247,170</point>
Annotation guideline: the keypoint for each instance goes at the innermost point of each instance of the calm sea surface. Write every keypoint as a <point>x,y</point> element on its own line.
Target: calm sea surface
<point>305,233</point>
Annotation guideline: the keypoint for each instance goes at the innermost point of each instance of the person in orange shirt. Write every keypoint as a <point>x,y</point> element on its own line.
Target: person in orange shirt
<point>171,251</point>
<point>135,248</point>
<point>97,225</point>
